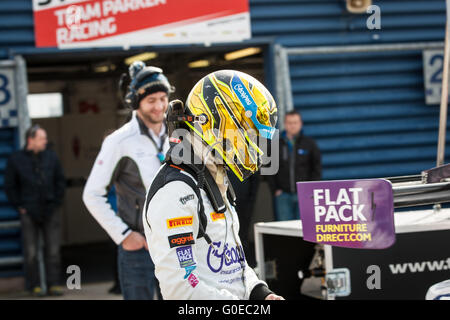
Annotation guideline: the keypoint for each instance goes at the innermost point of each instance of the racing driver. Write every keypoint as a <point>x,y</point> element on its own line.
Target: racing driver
<point>190,222</point>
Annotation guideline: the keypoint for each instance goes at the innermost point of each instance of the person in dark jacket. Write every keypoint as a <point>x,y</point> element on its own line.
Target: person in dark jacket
<point>246,192</point>
<point>34,185</point>
<point>300,160</point>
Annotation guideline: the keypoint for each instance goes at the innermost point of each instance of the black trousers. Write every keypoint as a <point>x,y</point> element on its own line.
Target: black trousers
<point>50,230</point>
<point>245,214</point>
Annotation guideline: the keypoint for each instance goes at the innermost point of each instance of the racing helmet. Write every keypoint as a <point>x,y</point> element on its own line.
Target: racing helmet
<point>230,111</point>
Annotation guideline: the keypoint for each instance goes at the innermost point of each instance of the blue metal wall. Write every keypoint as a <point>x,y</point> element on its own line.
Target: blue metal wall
<point>10,244</point>
<point>367,111</point>
<point>16,26</point>
<point>326,22</point>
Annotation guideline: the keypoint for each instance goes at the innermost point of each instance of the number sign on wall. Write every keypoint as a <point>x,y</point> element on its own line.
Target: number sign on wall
<point>8,104</point>
<point>433,60</point>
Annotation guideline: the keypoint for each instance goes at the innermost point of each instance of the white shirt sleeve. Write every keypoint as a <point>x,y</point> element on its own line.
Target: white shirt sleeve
<point>175,280</point>
<point>95,193</point>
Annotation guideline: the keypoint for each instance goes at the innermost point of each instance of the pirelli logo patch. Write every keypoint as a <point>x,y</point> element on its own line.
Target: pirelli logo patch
<point>217,216</point>
<point>181,239</point>
<point>179,222</point>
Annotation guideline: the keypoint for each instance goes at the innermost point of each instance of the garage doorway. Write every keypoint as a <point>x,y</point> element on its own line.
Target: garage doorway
<point>87,83</point>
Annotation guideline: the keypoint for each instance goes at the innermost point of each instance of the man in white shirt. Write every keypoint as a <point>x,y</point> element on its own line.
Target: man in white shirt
<point>129,159</point>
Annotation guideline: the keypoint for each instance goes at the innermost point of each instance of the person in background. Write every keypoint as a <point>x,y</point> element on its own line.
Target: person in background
<point>245,203</point>
<point>129,159</point>
<point>300,160</point>
<point>35,185</point>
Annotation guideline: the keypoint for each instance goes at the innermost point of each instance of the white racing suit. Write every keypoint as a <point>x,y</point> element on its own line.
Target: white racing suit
<point>187,267</point>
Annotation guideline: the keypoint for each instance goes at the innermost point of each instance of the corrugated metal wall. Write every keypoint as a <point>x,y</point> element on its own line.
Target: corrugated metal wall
<point>16,26</point>
<point>291,22</point>
<point>327,22</point>
<point>10,244</point>
<point>367,111</point>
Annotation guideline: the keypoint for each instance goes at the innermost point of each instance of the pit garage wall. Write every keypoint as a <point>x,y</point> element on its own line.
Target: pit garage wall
<point>367,111</point>
<point>10,247</point>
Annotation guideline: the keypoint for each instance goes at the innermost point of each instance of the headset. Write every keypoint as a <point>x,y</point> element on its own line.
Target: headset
<point>176,116</point>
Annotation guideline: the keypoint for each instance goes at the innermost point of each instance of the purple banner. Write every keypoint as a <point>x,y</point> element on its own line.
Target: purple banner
<point>348,213</point>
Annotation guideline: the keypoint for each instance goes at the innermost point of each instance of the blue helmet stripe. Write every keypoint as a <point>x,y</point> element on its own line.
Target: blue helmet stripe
<point>250,105</point>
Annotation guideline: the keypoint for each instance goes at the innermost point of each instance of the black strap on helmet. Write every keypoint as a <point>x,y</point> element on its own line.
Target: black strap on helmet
<point>204,179</point>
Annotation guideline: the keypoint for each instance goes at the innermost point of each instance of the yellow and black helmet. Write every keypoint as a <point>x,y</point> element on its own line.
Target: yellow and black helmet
<point>231,111</point>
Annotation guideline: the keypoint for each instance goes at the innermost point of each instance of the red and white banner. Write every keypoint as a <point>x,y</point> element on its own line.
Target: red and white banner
<point>103,23</point>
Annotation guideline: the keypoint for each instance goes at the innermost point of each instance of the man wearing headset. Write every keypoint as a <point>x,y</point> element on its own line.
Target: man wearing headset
<point>129,159</point>
<point>190,223</point>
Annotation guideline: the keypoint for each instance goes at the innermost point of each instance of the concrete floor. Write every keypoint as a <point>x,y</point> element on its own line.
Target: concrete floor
<point>90,291</point>
<point>96,263</point>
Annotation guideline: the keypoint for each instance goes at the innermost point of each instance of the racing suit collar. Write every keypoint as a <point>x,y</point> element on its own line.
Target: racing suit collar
<point>220,177</point>
<point>216,169</point>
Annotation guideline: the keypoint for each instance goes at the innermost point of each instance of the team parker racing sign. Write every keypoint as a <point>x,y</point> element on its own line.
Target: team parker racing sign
<point>348,213</point>
<point>125,23</point>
